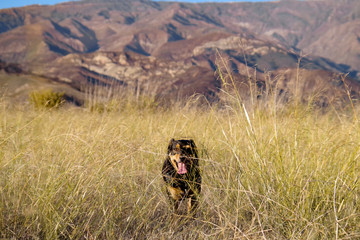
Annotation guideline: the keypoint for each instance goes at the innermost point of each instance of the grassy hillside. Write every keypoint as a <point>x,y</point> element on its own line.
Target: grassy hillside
<point>289,173</point>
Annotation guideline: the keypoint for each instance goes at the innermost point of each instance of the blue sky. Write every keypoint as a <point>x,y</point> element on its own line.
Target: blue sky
<point>20,3</point>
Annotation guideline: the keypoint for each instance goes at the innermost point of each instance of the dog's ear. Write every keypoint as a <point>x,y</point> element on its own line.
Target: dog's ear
<point>170,145</point>
<point>193,148</point>
<point>192,143</point>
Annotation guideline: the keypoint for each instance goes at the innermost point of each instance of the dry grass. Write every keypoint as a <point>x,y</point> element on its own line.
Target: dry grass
<point>267,174</point>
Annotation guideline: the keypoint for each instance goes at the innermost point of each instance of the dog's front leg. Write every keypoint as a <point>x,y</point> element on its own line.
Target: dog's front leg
<point>192,204</point>
<point>175,194</point>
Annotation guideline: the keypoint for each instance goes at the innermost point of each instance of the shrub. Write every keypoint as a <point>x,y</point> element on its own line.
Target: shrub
<point>46,99</point>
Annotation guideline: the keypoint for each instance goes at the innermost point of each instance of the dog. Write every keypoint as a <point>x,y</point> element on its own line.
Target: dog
<point>181,173</point>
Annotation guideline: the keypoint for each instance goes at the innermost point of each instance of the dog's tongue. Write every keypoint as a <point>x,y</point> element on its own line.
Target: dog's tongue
<point>182,168</point>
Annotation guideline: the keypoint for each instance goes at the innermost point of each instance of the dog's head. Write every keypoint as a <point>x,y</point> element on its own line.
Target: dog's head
<point>183,154</point>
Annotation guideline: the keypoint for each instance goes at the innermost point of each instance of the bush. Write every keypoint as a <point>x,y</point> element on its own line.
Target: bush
<point>46,99</point>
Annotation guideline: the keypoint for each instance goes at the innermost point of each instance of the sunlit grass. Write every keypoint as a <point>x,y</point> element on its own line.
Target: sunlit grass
<point>267,174</point>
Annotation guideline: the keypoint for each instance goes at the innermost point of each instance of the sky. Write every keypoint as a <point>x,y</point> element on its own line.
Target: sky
<point>20,3</point>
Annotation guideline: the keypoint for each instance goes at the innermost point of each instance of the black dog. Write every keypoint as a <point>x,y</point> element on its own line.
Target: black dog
<point>181,173</point>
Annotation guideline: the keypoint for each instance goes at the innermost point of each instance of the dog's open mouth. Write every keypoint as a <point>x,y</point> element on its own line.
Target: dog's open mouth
<point>182,168</point>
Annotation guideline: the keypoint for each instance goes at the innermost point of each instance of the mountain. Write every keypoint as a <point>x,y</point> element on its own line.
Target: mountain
<point>171,50</point>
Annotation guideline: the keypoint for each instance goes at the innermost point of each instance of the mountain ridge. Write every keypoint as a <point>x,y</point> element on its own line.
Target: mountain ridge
<point>160,47</point>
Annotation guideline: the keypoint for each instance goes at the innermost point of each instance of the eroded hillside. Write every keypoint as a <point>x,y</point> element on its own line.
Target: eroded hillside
<point>172,50</point>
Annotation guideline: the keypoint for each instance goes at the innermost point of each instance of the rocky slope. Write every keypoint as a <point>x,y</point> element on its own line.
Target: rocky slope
<point>172,50</point>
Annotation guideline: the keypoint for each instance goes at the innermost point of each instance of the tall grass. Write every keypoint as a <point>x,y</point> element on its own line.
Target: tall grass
<point>268,173</point>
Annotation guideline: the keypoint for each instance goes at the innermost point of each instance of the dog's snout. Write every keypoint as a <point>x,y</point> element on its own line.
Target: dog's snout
<point>175,157</point>
<point>182,159</point>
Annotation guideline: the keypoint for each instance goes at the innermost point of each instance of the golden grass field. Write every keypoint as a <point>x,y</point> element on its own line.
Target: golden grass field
<point>289,172</point>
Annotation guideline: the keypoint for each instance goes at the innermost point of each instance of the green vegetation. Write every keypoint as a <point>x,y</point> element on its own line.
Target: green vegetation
<point>274,173</point>
<point>46,99</point>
